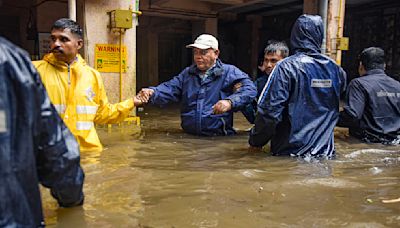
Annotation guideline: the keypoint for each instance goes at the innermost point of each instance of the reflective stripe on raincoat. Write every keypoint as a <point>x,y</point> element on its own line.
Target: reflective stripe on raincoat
<point>77,92</point>
<point>299,107</point>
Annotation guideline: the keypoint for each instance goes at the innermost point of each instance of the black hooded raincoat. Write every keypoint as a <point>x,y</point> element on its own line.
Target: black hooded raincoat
<point>35,145</point>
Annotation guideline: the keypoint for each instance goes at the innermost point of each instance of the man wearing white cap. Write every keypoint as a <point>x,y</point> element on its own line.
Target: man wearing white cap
<point>205,91</point>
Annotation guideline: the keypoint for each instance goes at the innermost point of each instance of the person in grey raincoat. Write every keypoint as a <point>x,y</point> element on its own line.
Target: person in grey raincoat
<point>300,105</point>
<point>372,105</point>
<point>36,147</point>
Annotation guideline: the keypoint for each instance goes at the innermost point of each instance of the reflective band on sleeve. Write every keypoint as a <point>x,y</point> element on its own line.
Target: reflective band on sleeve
<point>3,121</point>
<point>81,109</point>
<point>84,125</point>
<point>60,108</point>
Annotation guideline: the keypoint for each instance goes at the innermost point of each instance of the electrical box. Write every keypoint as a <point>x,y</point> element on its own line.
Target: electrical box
<point>121,19</point>
<point>343,43</point>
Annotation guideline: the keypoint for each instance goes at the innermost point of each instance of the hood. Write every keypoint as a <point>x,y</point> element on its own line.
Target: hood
<point>50,58</point>
<point>307,34</point>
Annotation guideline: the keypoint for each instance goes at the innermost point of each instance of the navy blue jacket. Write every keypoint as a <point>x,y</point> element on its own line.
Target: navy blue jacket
<point>300,106</point>
<point>35,145</point>
<point>197,97</point>
<point>373,105</point>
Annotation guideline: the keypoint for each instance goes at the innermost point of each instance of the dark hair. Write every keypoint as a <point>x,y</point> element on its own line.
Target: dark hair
<point>66,23</point>
<point>275,46</point>
<point>373,58</point>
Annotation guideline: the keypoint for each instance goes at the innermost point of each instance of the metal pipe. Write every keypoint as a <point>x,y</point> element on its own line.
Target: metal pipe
<point>339,33</point>
<point>72,9</point>
<point>120,63</point>
<point>323,12</point>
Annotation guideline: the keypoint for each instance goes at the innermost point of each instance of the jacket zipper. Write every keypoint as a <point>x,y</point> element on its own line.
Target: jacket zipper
<point>69,74</point>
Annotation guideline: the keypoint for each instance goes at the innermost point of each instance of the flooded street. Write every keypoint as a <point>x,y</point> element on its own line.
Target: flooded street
<point>161,177</point>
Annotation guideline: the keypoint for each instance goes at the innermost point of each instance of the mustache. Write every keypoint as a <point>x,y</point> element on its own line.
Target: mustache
<point>56,49</point>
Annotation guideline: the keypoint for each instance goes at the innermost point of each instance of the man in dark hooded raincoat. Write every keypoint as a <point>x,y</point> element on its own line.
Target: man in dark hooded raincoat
<point>300,105</point>
<point>35,145</point>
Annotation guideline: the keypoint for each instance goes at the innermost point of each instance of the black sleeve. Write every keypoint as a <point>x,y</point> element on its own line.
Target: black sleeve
<point>263,130</point>
<point>346,120</point>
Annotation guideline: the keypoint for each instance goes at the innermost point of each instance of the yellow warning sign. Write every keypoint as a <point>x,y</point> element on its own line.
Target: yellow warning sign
<point>106,58</point>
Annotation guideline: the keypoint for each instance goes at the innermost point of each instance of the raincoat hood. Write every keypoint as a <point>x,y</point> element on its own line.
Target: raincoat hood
<point>50,58</point>
<point>307,34</point>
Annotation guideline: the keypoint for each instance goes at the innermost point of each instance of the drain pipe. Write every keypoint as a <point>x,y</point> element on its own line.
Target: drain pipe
<point>72,9</point>
<point>323,12</point>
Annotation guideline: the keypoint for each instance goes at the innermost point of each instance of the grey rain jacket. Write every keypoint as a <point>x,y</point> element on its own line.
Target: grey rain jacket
<point>372,109</point>
<point>35,145</point>
<point>299,106</point>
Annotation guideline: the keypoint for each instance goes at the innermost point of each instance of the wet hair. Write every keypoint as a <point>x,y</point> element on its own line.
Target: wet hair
<point>277,46</point>
<point>66,23</point>
<point>373,58</point>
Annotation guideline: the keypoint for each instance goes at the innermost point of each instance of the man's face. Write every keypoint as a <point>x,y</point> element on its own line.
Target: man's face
<point>204,58</point>
<point>65,45</point>
<point>270,60</point>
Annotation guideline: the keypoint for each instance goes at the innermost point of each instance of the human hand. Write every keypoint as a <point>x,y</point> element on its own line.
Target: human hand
<point>254,149</point>
<point>236,87</point>
<point>222,106</point>
<point>137,101</point>
<point>145,94</point>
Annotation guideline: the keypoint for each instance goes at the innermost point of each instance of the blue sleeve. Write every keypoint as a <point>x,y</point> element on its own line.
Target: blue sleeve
<point>170,91</point>
<point>245,94</point>
<point>270,106</point>
<point>343,77</point>
<point>57,154</point>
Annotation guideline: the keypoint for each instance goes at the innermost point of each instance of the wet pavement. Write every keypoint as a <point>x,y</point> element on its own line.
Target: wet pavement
<point>158,176</point>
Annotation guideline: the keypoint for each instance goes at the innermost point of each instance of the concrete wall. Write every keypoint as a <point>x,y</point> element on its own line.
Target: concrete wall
<point>96,20</point>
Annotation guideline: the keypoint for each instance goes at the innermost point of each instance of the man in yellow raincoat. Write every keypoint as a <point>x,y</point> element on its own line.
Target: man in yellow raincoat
<point>76,89</point>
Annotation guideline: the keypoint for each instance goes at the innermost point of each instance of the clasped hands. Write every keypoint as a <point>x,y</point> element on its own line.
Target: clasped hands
<point>145,94</point>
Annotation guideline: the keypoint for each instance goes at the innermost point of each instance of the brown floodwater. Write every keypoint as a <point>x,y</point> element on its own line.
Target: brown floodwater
<point>157,176</point>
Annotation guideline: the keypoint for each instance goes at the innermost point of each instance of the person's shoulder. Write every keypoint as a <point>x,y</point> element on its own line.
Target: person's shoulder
<point>9,49</point>
<point>39,63</point>
<point>231,68</point>
<point>228,66</point>
<point>88,68</point>
<point>358,82</point>
<point>288,63</point>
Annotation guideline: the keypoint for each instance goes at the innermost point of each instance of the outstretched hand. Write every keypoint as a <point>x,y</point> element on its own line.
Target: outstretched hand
<point>143,96</point>
<point>222,106</point>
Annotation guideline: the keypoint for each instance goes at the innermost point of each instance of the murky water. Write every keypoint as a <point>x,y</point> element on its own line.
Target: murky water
<point>161,177</point>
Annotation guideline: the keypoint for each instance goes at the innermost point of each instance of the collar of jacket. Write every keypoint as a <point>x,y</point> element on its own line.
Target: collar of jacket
<point>216,71</point>
<point>375,71</point>
<point>63,66</point>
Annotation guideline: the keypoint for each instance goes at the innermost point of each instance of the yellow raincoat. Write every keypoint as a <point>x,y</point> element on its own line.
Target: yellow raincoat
<point>77,92</point>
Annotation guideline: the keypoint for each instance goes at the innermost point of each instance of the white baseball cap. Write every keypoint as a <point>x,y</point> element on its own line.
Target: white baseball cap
<point>205,41</point>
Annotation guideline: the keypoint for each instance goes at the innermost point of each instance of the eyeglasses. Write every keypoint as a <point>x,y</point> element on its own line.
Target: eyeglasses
<point>201,51</point>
